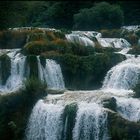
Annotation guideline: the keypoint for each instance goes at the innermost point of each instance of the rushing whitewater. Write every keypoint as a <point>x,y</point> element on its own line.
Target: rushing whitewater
<point>20,71</point>
<point>15,80</point>
<point>129,108</point>
<point>124,75</point>
<point>114,42</point>
<point>91,122</point>
<point>46,122</point>
<point>51,74</point>
<point>80,39</point>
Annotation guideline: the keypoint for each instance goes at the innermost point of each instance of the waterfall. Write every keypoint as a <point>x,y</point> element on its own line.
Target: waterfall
<point>58,118</point>
<point>91,122</point>
<point>125,75</point>
<point>45,122</point>
<point>80,38</point>
<point>114,42</point>
<point>129,108</point>
<point>20,70</point>
<point>15,80</point>
<point>51,74</point>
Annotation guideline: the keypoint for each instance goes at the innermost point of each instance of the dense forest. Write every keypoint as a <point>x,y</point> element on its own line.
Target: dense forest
<point>69,14</point>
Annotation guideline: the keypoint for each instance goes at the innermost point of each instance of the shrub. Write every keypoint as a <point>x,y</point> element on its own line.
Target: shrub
<point>33,88</point>
<point>37,37</point>
<point>35,47</point>
<point>102,15</point>
<point>16,108</point>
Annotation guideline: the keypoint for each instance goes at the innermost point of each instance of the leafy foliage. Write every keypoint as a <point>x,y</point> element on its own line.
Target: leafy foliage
<point>102,15</point>
<point>15,109</point>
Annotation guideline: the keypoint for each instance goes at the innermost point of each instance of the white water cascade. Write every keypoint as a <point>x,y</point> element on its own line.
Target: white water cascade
<point>19,71</point>
<point>114,42</point>
<point>46,120</point>
<point>83,37</point>
<point>129,108</point>
<point>125,75</point>
<point>91,122</point>
<point>51,74</point>
<point>15,80</point>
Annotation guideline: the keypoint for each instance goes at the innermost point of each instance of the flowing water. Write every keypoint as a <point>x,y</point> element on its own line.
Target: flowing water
<point>51,74</point>
<point>19,72</point>
<point>90,121</point>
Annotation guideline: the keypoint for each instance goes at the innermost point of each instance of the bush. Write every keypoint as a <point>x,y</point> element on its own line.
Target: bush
<point>34,89</point>
<point>35,47</point>
<point>102,15</point>
<point>16,108</point>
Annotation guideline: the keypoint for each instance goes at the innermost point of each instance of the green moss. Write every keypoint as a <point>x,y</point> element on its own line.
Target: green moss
<point>15,109</point>
<point>86,72</point>
<point>69,121</point>
<point>5,68</point>
<point>32,64</point>
<point>42,61</point>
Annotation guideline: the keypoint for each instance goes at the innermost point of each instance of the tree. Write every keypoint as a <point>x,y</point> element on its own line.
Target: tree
<point>102,15</point>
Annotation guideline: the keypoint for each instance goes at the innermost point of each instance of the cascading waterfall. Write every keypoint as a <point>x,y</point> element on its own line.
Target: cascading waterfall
<point>114,42</point>
<point>129,108</point>
<point>51,74</point>
<point>91,122</point>
<point>125,75</point>
<point>20,70</point>
<point>45,122</point>
<point>15,80</point>
<point>80,39</point>
<point>55,119</point>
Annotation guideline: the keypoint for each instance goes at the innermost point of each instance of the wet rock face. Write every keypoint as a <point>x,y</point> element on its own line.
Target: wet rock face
<point>120,128</point>
<point>110,103</point>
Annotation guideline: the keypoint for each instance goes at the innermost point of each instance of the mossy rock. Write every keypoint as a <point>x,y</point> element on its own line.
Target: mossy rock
<point>5,68</point>
<point>110,103</point>
<point>69,119</point>
<point>32,64</point>
<point>121,129</point>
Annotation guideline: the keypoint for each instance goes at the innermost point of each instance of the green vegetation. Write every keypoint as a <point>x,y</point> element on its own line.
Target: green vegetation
<point>60,14</point>
<point>86,72</point>
<point>121,129</point>
<point>15,109</point>
<point>102,15</point>
<point>5,68</point>
<point>69,116</point>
